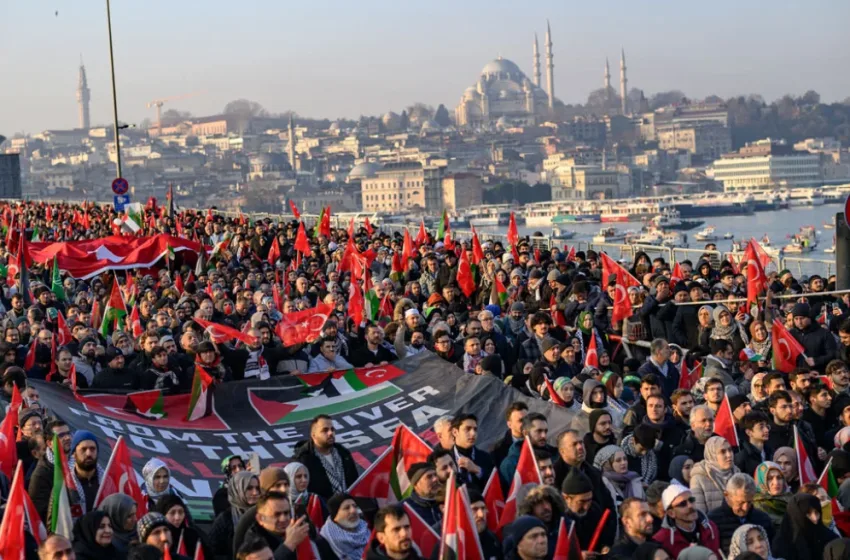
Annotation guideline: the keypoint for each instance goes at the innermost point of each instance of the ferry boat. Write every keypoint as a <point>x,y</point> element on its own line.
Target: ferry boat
<point>659,238</point>
<point>670,218</point>
<point>765,200</point>
<point>609,235</point>
<point>498,215</point>
<point>576,219</point>
<point>710,205</point>
<point>707,234</point>
<point>728,235</point>
<point>803,242</point>
<point>804,198</point>
<point>562,234</point>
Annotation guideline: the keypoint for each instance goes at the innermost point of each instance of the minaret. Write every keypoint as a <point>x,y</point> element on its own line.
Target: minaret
<point>291,143</point>
<point>606,82</point>
<point>536,63</point>
<point>83,97</point>
<point>624,106</point>
<point>550,67</point>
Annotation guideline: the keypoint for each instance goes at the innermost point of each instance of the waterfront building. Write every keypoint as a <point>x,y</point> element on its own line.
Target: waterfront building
<point>403,186</point>
<point>581,182</point>
<point>461,190</point>
<point>767,164</point>
<point>709,140</point>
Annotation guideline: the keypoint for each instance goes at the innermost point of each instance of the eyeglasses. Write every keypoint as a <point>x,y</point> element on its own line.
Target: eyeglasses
<point>685,502</point>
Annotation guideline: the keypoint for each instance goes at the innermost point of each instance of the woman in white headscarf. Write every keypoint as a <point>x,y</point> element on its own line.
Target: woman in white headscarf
<point>299,496</point>
<point>157,484</point>
<point>709,476</point>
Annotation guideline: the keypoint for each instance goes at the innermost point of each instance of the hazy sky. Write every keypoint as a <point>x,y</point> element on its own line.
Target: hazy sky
<point>346,58</point>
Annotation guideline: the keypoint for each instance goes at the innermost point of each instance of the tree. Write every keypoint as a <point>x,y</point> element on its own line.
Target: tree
<point>173,116</point>
<point>245,109</point>
<point>811,97</point>
<point>441,117</point>
<point>665,98</point>
<point>405,120</point>
<point>419,113</point>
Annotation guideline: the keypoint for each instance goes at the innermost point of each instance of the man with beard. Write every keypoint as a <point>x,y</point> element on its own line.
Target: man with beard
<point>545,466</point>
<point>426,487</point>
<point>682,403</point>
<point>115,375</point>
<point>490,545</point>
<point>593,398</point>
<point>331,467</point>
<point>513,418</point>
<point>818,342</point>
<point>601,433</point>
<point>702,428</point>
<point>345,532</point>
<point>273,524</point>
<point>86,363</point>
<point>64,363</point>
<point>667,431</point>
<point>782,422</point>
<point>393,537</point>
<point>544,503</point>
<point>85,471</point>
<point>650,384</point>
<point>536,428</point>
<point>572,457</point>
<point>585,513</point>
<point>474,464</point>
<point>444,464</point>
<point>637,528</point>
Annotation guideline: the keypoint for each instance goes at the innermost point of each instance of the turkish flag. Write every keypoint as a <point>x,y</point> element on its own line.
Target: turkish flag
<point>786,349</point>
<point>274,252</point>
<point>756,278</point>
<point>459,533</point>
<point>421,533</point>
<point>477,251</point>
<point>513,234</point>
<point>407,252</point>
<point>221,333</point>
<point>368,226</point>
<point>464,275</point>
<point>294,209</point>
<point>12,528</point>
<point>724,423</point>
<point>526,472</point>
<point>804,464</point>
<point>422,235</point>
<point>592,358</point>
<point>303,326</point>
<point>676,276</point>
<point>624,281</point>
<point>494,500</point>
<point>120,478</point>
<point>302,245</point>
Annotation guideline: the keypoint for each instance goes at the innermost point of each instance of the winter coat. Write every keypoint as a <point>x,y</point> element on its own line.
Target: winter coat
<point>669,382</point>
<point>671,539</point>
<point>305,453</point>
<point>707,488</point>
<point>818,343</point>
<point>726,522</point>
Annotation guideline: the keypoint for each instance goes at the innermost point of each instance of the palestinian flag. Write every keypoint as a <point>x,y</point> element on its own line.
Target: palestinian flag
<point>56,281</point>
<point>499,294</point>
<point>149,404</point>
<point>317,229</point>
<point>115,311</point>
<point>444,226</point>
<point>134,217</point>
<point>373,305</point>
<point>827,480</point>
<point>36,238</point>
<point>59,517</point>
<point>200,404</point>
<point>408,449</point>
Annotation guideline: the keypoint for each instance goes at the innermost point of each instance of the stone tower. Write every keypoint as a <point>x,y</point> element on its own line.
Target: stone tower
<point>624,90</point>
<point>550,67</point>
<point>291,143</point>
<point>536,63</point>
<point>83,97</point>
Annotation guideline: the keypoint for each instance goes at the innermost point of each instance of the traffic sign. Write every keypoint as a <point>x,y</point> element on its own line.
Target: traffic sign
<point>120,201</point>
<point>120,186</point>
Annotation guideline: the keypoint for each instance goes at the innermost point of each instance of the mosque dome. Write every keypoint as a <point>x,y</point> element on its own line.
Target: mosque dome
<point>363,170</point>
<point>391,120</point>
<point>501,66</point>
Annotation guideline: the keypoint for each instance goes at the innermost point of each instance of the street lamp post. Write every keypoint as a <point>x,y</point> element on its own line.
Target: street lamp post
<point>114,92</point>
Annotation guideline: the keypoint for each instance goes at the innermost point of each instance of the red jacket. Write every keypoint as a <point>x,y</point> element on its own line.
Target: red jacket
<point>671,539</point>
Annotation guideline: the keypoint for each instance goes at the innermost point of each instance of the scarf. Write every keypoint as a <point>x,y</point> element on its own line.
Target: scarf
<point>762,348</point>
<point>149,471</point>
<point>117,507</point>
<point>255,365</point>
<point>333,467</point>
<point>648,461</point>
<point>464,474</point>
<point>346,544</point>
<point>236,494</point>
<point>624,483</point>
<point>720,332</point>
<point>469,362</point>
<point>709,465</point>
<point>515,325</point>
<point>79,485</point>
<point>295,496</point>
<point>738,545</point>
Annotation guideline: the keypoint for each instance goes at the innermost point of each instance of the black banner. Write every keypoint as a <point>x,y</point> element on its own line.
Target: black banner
<point>269,418</point>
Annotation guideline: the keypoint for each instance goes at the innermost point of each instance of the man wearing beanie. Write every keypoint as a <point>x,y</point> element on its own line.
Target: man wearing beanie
<point>86,361</point>
<point>526,539</point>
<point>684,526</point>
<point>426,486</point>
<point>818,342</point>
<point>601,433</point>
<point>585,514</point>
<point>345,531</point>
<point>85,471</point>
<point>153,529</point>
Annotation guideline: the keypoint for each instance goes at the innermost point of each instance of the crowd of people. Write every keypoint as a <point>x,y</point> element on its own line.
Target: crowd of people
<point>640,469</point>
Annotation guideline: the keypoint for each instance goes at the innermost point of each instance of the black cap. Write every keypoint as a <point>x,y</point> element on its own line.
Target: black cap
<point>335,502</point>
<point>576,483</point>
<point>801,310</point>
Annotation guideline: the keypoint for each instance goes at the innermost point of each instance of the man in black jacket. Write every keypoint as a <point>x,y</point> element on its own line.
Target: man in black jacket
<point>754,449</point>
<point>426,487</point>
<point>115,375</point>
<point>659,309</point>
<point>374,351</point>
<point>585,513</point>
<point>490,545</point>
<point>474,464</point>
<point>702,428</point>
<point>392,536</point>
<point>572,456</point>
<point>272,526</point>
<point>638,527</point>
<point>659,364</point>
<point>513,418</point>
<point>331,467</point>
<point>601,433</point>
<point>818,342</point>
<point>737,509</point>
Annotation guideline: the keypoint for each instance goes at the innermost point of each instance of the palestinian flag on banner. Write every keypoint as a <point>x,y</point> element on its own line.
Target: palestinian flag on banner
<point>408,449</point>
<point>316,230</point>
<point>60,518</point>
<point>115,311</point>
<point>150,404</point>
<point>499,294</point>
<point>56,281</point>
<point>200,404</point>
<point>444,226</point>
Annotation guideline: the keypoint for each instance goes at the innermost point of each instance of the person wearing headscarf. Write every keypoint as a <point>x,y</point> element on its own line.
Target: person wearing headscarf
<point>680,470</point>
<point>758,392</point>
<point>838,549</point>
<point>585,332</point>
<point>593,397</point>
<point>230,465</point>
<point>760,342</point>
<point>299,495</point>
<point>697,553</point>
<point>567,391</point>
<point>93,538</point>
<point>121,510</point>
<point>709,476</point>
<point>345,531</point>
<point>727,328</point>
<point>183,528</point>
<point>750,538</point>
<point>622,483</point>
<point>772,493</point>
<point>786,458</point>
<point>157,484</point>
<point>613,384</point>
<point>242,493</point>
<point>274,479</point>
<point>802,535</point>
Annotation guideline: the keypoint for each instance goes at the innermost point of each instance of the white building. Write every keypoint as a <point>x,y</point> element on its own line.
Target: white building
<point>767,164</point>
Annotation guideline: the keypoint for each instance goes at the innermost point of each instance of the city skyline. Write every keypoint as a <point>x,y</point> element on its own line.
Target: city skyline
<point>378,60</point>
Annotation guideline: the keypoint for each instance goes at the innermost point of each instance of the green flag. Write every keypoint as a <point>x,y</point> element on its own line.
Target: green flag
<point>444,225</point>
<point>56,282</point>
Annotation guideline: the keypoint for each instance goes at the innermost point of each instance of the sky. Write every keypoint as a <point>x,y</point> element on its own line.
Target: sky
<point>347,58</point>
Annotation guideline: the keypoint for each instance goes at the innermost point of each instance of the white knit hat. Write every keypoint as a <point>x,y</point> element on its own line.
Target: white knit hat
<point>671,493</point>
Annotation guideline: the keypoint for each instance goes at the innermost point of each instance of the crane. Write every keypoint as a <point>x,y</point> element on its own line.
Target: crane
<point>158,103</point>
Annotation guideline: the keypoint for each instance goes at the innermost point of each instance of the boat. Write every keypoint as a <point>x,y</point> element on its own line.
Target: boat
<point>804,198</point>
<point>577,219</point>
<point>562,234</point>
<point>671,218</point>
<point>765,241</point>
<point>829,225</point>
<point>829,250</point>
<point>706,234</point>
<point>711,205</point>
<point>803,242</point>
<point>609,235</point>
<point>728,235</point>
<point>673,239</point>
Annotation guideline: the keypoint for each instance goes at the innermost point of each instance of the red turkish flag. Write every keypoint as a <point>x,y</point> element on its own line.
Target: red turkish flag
<point>407,252</point>
<point>494,500</point>
<point>513,234</point>
<point>421,533</point>
<point>136,322</point>
<point>756,278</point>
<point>303,326</point>
<point>786,349</point>
<point>724,423</point>
<point>804,464</point>
<point>592,358</point>
<point>464,275</point>
<point>274,252</point>
<point>526,472</point>
<point>120,478</point>
<point>221,333</point>
<point>12,528</point>
<point>624,280</point>
<point>368,226</point>
<point>422,235</point>
<point>477,251</point>
<point>302,245</point>
<point>459,533</point>
<point>676,276</point>
<point>294,209</point>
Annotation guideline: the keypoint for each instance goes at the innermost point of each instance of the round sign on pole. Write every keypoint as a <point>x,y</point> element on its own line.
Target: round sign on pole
<point>120,186</point>
<point>847,211</point>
